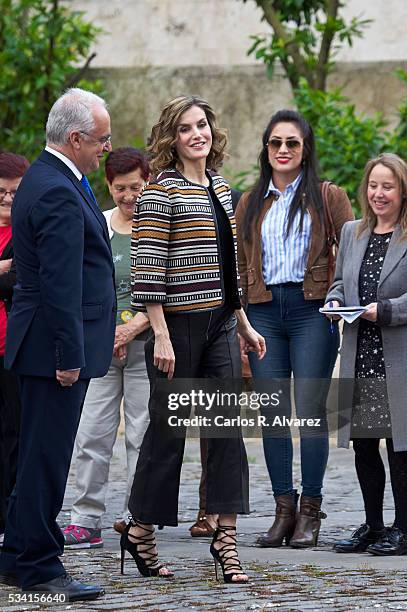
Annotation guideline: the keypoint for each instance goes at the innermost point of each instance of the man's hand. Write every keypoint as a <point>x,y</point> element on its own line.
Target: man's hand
<point>67,378</point>
<point>5,266</point>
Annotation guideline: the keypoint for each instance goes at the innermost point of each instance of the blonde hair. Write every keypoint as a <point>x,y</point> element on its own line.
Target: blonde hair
<point>163,137</point>
<point>398,167</point>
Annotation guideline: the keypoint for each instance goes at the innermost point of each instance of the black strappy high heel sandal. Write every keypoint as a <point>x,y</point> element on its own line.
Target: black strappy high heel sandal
<point>226,555</point>
<point>146,560</point>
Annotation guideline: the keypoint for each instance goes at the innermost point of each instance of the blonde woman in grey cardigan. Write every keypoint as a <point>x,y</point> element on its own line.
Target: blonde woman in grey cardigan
<point>371,271</point>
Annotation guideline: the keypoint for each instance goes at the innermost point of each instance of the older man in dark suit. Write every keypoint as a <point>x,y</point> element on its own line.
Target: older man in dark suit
<point>60,332</point>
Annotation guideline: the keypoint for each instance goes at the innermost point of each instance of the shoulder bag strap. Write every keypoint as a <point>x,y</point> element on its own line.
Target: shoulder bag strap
<point>331,238</point>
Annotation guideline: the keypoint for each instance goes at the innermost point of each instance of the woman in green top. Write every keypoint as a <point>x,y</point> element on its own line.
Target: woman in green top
<point>127,171</point>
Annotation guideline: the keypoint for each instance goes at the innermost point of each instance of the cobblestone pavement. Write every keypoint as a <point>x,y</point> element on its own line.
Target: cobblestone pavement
<point>284,579</point>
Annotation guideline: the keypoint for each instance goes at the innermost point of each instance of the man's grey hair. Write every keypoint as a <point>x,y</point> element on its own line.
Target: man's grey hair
<point>71,112</point>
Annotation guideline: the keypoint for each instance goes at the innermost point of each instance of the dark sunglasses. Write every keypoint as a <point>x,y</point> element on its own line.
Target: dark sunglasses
<point>291,144</point>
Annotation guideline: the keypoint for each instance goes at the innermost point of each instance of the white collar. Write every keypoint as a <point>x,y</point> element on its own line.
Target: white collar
<point>290,188</point>
<point>66,161</point>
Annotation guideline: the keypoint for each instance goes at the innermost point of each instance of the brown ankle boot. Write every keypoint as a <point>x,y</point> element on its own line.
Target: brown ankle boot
<point>308,522</point>
<point>284,523</point>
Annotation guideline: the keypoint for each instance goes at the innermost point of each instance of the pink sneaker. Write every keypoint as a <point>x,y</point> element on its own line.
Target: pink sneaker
<point>81,537</point>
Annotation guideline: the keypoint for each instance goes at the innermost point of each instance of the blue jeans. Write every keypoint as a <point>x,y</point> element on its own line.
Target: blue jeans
<point>299,342</point>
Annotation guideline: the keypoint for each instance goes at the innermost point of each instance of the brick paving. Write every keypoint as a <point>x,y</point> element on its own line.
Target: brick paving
<point>284,579</point>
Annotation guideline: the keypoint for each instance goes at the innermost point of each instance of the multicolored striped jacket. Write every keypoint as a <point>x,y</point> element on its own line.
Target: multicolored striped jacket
<point>174,248</point>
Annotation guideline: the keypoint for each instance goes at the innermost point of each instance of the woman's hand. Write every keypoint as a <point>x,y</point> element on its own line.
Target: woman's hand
<point>122,336</point>
<point>120,352</point>
<point>243,356</point>
<point>5,266</point>
<point>250,340</point>
<point>332,304</point>
<point>164,358</point>
<point>128,331</point>
<point>370,313</point>
<point>243,350</point>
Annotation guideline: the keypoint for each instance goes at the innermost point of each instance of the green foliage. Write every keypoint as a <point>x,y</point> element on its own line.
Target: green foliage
<point>345,139</point>
<point>306,34</point>
<point>397,140</point>
<point>42,46</point>
<point>305,37</point>
<point>244,180</point>
<point>299,11</point>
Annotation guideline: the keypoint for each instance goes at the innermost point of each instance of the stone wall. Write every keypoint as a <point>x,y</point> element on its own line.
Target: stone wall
<point>153,50</point>
<point>243,97</point>
<point>217,32</point>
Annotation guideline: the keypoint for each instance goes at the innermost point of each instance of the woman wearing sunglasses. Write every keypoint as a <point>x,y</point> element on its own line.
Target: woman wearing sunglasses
<point>283,263</point>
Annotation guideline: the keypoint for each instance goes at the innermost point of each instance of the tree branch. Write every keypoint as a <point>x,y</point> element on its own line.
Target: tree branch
<point>74,80</point>
<point>51,49</point>
<point>272,18</point>
<point>327,38</point>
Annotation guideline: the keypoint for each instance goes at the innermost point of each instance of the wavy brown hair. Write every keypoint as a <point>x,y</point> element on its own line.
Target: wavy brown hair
<point>399,169</point>
<point>163,137</point>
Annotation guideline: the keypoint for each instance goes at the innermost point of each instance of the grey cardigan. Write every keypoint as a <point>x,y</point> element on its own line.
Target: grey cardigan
<point>392,287</point>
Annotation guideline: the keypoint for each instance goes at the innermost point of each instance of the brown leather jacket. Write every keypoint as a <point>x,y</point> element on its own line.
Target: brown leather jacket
<point>316,273</point>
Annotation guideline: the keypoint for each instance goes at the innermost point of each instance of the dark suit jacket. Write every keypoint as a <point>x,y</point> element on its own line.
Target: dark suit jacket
<point>63,312</point>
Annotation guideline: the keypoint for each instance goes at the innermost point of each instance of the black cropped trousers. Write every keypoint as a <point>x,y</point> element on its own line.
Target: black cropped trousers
<point>205,346</point>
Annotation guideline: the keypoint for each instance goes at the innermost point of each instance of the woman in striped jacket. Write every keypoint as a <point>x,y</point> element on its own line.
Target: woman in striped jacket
<point>184,274</point>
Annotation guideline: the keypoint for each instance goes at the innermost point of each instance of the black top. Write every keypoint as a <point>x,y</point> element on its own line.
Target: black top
<point>371,409</point>
<point>371,267</point>
<point>8,279</point>
<point>227,253</point>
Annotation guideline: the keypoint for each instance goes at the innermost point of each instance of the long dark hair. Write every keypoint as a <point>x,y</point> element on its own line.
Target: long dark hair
<point>308,193</point>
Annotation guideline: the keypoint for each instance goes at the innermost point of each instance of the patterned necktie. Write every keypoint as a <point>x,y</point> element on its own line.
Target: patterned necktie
<point>88,188</point>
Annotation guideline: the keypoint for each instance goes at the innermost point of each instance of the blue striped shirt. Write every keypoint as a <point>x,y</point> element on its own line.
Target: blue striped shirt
<point>284,257</point>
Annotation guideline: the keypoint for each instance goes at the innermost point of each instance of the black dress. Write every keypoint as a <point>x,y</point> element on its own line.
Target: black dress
<point>371,413</point>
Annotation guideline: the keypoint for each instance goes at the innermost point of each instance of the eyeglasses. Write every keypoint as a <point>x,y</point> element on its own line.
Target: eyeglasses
<point>4,192</point>
<point>102,141</point>
<point>292,144</point>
